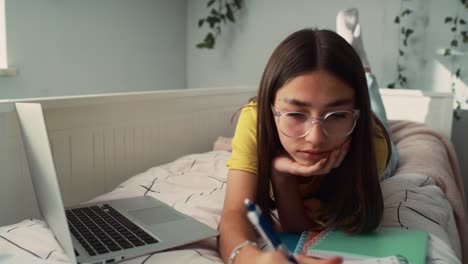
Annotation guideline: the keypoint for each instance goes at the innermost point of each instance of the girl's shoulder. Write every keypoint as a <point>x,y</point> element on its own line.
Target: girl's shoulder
<point>250,108</point>
<point>379,129</point>
<point>251,104</point>
<point>382,145</point>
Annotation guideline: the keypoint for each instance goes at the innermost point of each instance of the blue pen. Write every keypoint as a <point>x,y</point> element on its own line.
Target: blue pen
<point>257,219</point>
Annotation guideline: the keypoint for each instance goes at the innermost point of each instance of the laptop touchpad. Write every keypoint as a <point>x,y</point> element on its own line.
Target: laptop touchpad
<point>156,215</point>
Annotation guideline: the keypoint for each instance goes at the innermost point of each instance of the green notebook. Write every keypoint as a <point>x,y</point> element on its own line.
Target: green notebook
<point>383,242</point>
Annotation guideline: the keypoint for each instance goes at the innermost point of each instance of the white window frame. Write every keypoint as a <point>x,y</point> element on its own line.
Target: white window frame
<point>3,41</point>
<point>5,70</point>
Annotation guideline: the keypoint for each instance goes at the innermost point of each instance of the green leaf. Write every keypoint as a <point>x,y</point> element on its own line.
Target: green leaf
<point>448,19</point>
<point>405,43</point>
<point>212,21</point>
<point>201,45</point>
<point>457,110</point>
<point>454,28</point>
<point>200,22</point>
<point>209,38</point>
<point>402,84</point>
<point>211,2</point>
<point>401,52</point>
<point>409,32</point>
<point>462,21</point>
<point>463,33</point>
<point>397,20</point>
<point>238,4</point>
<point>205,45</point>
<point>229,14</point>
<point>406,12</point>
<point>447,52</point>
<point>465,39</point>
<point>457,73</point>
<point>214,12</point>
<point>391,85</point>
<point>454,43</point>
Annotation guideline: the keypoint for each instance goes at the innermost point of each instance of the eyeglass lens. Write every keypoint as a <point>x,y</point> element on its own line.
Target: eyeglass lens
<point>296,124</point>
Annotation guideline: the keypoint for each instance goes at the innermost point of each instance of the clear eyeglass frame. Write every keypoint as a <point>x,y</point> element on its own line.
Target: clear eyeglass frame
<point>355,113</point>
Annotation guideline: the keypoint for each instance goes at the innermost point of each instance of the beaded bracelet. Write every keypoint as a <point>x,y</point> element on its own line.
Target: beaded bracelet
<point>237,249</point>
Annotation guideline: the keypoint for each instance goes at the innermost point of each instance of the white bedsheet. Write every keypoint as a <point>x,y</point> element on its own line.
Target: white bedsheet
<point>195,185</point>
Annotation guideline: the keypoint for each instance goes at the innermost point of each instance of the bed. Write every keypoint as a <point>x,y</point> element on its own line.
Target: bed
<point>173,145</point>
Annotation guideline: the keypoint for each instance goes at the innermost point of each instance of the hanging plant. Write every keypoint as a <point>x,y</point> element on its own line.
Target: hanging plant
<point>222,12</point>
<point>404,35</point>
<point>458,42</point>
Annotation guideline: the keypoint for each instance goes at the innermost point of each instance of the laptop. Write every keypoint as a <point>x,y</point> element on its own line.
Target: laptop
<point>101,232</point>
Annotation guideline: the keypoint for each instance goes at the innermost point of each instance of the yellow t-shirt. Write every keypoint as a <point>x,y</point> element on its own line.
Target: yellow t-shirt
<point>244,143</point>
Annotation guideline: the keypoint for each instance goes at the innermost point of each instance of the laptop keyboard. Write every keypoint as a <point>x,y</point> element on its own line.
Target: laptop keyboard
<point>101,229</point>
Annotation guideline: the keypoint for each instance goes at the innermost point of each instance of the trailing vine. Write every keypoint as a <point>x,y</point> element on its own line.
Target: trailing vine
<point>459,40</point>
<point>221,13</point>
<point>404,35</point>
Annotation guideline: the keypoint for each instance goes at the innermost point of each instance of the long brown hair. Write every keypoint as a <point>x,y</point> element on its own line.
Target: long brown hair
<point>351,191</point>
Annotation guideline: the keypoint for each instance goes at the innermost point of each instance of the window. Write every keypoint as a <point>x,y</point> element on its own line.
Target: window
<point>4,69</point>
<point>3,42</point>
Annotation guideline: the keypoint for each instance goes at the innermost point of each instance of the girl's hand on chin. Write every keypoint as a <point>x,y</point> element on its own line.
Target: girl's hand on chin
<point>284,163</point>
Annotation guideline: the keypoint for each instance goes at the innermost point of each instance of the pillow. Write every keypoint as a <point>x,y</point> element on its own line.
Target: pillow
<point>223,143</point>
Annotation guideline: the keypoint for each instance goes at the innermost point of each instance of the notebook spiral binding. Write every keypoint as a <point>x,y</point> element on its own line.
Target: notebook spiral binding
<point>308,239</point>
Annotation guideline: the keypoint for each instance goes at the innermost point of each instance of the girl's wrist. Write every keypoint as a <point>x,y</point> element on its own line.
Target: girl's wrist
<point>246,254</point>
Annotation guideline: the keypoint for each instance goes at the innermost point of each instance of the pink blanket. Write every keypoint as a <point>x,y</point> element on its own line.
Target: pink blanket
<point>413,159</point>
<point>444,169</point>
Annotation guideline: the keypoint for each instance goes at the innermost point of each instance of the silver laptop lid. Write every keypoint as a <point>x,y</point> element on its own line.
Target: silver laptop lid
<point>42,169</point>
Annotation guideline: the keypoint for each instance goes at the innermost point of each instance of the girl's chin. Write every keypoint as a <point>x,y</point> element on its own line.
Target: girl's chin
<point>306,162</point>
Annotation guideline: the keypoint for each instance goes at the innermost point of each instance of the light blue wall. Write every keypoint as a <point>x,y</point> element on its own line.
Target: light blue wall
<point>72,47</point>
<point>243,49</point>
<point>436,75</point>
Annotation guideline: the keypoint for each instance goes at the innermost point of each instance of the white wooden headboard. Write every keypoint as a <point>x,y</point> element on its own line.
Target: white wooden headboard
<point>433,108</point>
<point>99,141</point>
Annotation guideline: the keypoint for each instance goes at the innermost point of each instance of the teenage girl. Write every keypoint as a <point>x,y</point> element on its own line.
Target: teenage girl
<point>308,146</point>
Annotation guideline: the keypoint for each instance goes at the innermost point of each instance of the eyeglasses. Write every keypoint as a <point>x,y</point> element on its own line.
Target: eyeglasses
<point>336,124</point>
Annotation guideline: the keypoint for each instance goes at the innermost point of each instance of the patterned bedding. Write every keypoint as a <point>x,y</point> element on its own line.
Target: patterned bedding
<point>195,185</point>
